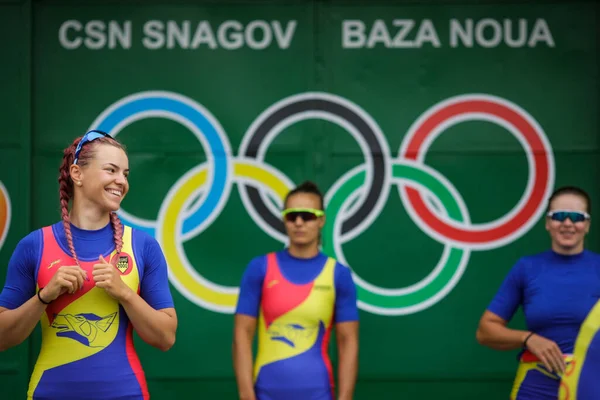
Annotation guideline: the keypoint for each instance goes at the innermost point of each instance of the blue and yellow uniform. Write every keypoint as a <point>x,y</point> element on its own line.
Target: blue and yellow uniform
<point>581,380</point>
<point>87,347</point>
<point>557,293</point>
<point>296,301</point>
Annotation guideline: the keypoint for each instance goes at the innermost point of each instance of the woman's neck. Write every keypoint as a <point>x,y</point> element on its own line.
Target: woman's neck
<point>567,251</point>
<point>88,217</point>
<point>308,251</point>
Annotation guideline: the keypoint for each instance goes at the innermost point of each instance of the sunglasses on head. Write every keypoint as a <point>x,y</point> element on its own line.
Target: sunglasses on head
<point>306,214</point>
<point>574,216</point>
<point>88,137</point>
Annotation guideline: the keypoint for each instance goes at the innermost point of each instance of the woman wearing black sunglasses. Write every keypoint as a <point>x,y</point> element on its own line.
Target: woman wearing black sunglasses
<point>557,289</point>
<point>294,298</point>
<point>90,282</point>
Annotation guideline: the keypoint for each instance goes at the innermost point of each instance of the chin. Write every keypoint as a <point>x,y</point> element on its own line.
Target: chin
<point>110,207</point>
<point>568,245</point>
<point>111,204</point>
<point>301,242</point>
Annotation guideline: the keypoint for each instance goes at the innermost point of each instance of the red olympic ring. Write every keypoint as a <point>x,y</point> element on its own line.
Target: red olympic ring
<point>542,164</point>
<point>4,213</point>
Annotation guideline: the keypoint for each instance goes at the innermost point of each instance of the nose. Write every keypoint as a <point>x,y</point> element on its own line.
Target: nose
<point>121,179</point>
<point>568,221</point>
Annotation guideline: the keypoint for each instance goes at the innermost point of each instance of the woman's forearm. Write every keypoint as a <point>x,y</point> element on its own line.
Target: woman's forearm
<point>499,337</point>
<point>242,363</point>
<point>155,327</point>
<point>16,325</point>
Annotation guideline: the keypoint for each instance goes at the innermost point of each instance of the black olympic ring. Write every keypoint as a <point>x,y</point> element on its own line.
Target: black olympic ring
<point>379,162</point>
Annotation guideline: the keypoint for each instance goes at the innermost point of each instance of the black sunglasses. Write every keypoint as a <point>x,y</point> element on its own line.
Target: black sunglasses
<point>574,216</point>
<point>306,214</point>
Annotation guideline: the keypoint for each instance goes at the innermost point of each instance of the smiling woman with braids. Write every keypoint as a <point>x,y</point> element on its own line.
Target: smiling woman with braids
<point>90,282</point>
<point>557,289</point>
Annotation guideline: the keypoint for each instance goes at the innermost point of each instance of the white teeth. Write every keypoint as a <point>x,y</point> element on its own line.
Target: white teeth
<point>115,192</point>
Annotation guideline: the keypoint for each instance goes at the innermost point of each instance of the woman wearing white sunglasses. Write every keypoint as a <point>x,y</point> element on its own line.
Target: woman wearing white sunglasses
<point>556,289</point>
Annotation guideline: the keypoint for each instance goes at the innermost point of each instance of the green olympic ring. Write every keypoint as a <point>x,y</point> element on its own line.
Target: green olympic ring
<point>451,265</point>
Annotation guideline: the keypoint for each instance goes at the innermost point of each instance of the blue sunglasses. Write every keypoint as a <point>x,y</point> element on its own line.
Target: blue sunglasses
<point>88,137</point>
<point>574,216</point>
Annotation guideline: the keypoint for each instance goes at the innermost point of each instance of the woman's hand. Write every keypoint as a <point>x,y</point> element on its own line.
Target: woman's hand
<point>66,279</point>
<point>107,277</point>
<point>548,352</point>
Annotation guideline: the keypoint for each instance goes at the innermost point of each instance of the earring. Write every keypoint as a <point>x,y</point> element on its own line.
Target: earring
<point>78,183</point>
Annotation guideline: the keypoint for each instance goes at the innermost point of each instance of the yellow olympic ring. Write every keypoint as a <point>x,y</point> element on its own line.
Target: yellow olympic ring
<point>168,231</point>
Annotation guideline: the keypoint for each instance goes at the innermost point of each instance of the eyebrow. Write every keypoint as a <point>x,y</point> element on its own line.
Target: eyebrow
<point>116,166</point>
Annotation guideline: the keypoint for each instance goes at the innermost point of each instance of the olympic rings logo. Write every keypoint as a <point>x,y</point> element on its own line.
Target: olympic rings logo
<point>352,203</point>
<point>5,213</point>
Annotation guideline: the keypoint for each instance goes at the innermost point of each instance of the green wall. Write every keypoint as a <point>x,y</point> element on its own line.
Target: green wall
<point>341,93</point>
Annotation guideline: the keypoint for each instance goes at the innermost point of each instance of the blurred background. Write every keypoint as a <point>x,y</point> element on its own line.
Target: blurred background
<point>436,129</point>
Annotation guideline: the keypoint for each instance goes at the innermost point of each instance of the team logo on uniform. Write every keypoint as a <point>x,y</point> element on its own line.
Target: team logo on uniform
<point>272,283</point>
<point>124,263</point>
<point>290,334</point>
<point>87,329</point>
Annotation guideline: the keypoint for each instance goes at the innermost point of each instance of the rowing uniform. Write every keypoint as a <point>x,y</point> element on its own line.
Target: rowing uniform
<point>87,349</point>
<point>556,293</point>
<point>296,301</point>
<point>581,380</point>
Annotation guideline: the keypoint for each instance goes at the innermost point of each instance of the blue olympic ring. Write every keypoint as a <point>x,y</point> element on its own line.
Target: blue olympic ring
<point>218,184</point>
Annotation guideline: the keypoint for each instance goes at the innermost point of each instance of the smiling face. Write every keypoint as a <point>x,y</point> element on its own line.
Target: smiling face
<point>568,236</point>
<point>103,180</point>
